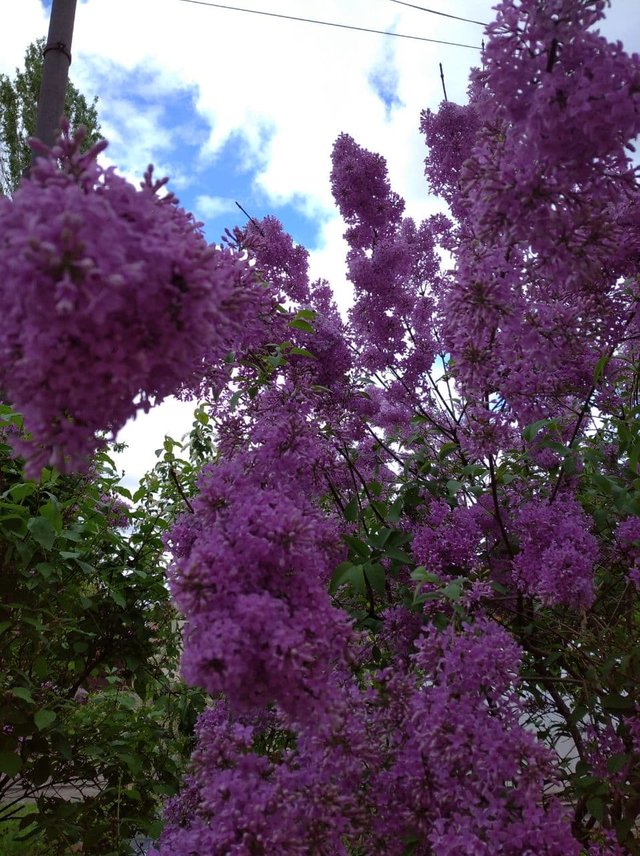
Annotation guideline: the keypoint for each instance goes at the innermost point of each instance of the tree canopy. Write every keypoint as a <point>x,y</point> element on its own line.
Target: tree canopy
<point>18,107</point>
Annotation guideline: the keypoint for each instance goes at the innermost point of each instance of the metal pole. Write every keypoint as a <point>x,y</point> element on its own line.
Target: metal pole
<point>55,70</point>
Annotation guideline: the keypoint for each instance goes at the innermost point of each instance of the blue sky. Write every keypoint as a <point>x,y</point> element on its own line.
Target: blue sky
<point>237,106</point>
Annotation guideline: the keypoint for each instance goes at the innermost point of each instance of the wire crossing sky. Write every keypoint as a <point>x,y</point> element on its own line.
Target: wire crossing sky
<point>338,25</point>
<point>436,12</point>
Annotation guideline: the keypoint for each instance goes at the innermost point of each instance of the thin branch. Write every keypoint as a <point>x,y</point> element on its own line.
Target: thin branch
<point>174,478</point>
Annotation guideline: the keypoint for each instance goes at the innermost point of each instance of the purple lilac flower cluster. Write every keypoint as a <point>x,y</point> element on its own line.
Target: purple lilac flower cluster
<point>412,762</point>
<point>628,541</point>
<point>251,578</point>
<point>547,204</point>
<point>557,552</point>
<point>110,300</point>
<point>447,541</point>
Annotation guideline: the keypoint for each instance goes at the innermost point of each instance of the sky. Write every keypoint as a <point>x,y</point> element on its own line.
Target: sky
<point>241,107</point>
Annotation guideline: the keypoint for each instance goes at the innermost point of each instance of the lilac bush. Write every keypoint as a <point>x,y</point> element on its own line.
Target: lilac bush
<point>409,571</point>
<point>455,455</point>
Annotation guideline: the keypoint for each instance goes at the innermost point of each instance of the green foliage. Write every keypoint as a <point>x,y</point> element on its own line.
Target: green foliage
<point>19,833</point>
<point>89,696</point>
<point>18,109</point>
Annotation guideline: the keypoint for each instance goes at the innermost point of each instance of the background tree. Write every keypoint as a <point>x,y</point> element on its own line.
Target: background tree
<point>96,724</point>
<point>18,108</point>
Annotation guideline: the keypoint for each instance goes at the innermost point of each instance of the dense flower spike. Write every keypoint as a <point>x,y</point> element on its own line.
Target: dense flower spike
<point>110,300</point>
<point>466,775</point>
<point>442,765</point>
<point>280,263</point>
<point>450,134</point>
<point>250,575</point>
<point>557,552</point>
<point>547,201</point>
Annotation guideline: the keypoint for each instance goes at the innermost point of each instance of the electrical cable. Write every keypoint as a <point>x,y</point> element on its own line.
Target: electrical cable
<point>331,24</point>
<point>435,12</point>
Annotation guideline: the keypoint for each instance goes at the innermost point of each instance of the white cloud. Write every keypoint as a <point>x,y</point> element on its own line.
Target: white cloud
<point>213,206</point>
<point>26,22</point>
<point>145,434</point>
<point>328,261</point>
<point>281,90</point>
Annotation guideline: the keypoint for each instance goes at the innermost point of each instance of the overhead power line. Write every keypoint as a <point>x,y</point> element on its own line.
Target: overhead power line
<point>331,24</point>
<point>435,12</point>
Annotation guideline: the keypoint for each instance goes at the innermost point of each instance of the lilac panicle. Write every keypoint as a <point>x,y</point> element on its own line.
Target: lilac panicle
<point>110,300</point>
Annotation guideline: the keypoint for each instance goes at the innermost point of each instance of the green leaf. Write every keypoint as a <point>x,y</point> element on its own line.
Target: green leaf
<point>473,470</point>
<point>531,431</point>
<point>355,578</point>
<point>42,531</point>
<point>51,510</point>
<point>618,762</point>
<point>44,718</point>
<point>339,576</point>
<point>399,556</point>
<point>45,569</point>
<point>356,544</point>
<point>10,763</point>
<point>376,576</point>
<point>19,491</point>
<point>117,597</point>
<point>375,488</point>
<point>395,510</point>
<point>40,668</point>
<point>235,398</point>
<point>154,828</point>
<point>453,486</point>
<point>41,771</point>
<point>595,807</point>
<point>600,367</point>
<point>348,574</point>
<point>453,590</point>
<point>380,538</point>
<point>301,324</point>
<point>133,762</point>
<point>617,703</point>
<point>351,510</point>
<point>24,693</point>
<point>61,745</point>
<point>446,449</point>
<point>422,575</point>
<point>301,352</point>
<point>128,701</point>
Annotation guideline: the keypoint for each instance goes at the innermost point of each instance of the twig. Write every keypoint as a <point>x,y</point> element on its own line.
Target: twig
<point>255,223</point>
<point>444,88</point>
<point>179,488</point>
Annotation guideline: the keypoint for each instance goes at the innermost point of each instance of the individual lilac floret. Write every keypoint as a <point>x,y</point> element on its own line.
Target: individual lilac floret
<point>110,299</point>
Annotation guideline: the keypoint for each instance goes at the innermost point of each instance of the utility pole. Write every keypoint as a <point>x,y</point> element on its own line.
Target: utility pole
<point>55,70</point>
